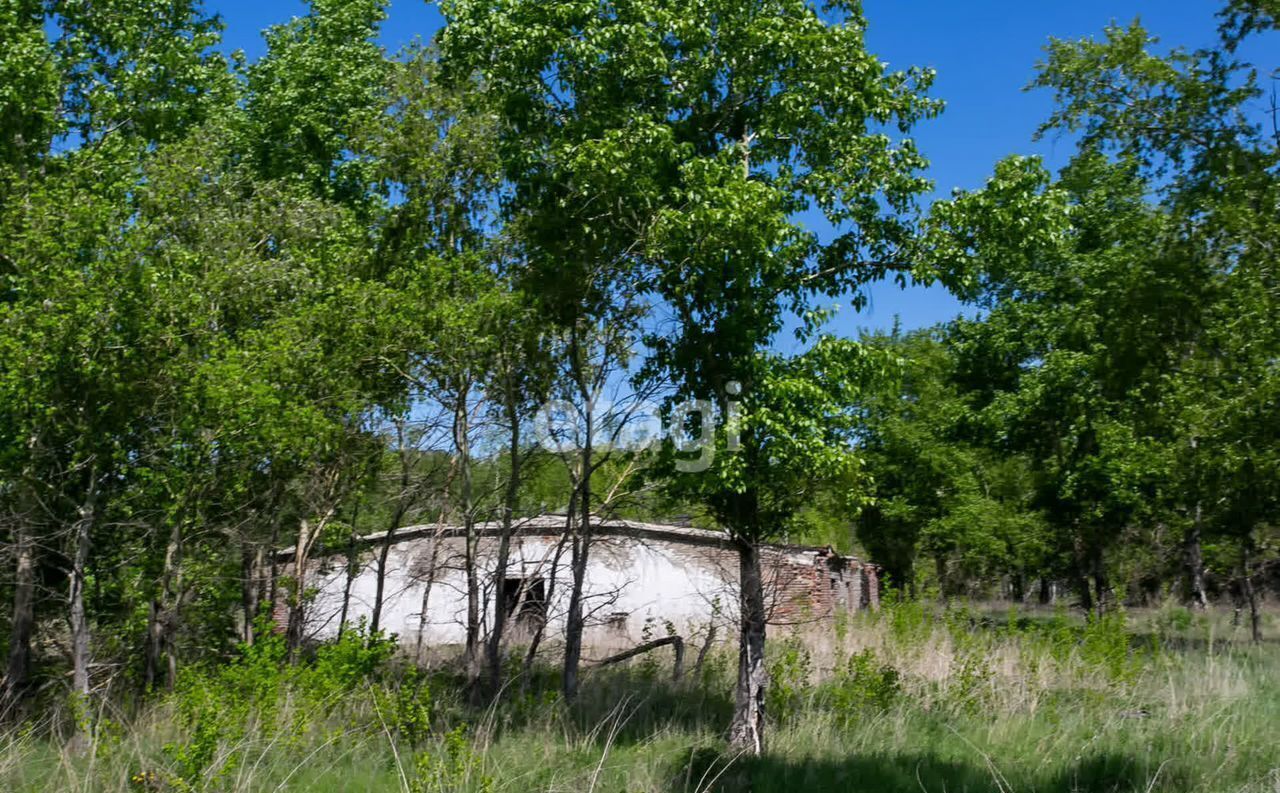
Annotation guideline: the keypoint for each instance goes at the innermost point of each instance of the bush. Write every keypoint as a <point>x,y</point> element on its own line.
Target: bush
<point>457,768</point>
<point>217,706</point>
<point>1105,643</point>
<point>789,678</point>
<point>863,682</point>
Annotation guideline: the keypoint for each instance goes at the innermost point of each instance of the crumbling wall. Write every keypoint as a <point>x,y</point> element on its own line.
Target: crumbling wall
<point>638,586</point>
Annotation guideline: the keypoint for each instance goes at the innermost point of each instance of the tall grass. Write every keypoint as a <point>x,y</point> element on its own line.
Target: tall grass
<point>914,698</point>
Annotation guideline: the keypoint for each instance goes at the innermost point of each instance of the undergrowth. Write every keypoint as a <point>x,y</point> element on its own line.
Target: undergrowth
<point>915,697</point>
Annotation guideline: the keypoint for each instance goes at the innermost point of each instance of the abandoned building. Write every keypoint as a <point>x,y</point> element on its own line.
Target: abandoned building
<point>642,581</point>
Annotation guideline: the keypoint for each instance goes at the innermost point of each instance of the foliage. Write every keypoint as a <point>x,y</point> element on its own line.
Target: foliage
<point>250,311</point>
<point>218,706</point>
<point>1186,719</point>
<point>864,683</point>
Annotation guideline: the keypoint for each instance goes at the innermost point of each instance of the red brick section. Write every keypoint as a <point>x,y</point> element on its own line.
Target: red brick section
<point>280,609</point>
<point>812,585</point>
<point>871,575</point>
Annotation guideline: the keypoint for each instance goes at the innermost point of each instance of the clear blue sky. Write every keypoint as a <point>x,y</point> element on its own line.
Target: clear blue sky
<point>984,51</point>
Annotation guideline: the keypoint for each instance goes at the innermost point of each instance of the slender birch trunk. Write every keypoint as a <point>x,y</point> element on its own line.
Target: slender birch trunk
<point>18,667</point>
<point>1194,560</point>
<point>494,648</point>
<point>580,547</point>
<point>82,538</point>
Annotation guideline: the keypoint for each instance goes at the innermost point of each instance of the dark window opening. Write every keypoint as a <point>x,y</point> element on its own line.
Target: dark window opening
<point>839,593</point>
<point>524,601</point>
<point>617,622</point>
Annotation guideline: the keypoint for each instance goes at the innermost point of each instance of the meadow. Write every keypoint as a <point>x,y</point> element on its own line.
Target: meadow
<point>916,698</point>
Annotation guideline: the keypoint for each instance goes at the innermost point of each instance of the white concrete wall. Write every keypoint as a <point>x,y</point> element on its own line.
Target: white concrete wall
<point>633,587</point>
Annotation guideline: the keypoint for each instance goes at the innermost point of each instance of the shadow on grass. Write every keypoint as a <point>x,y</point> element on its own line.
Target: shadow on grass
<point>624,706</point>
<point>706,771</point>
<point>1237,641</point>
<point>634,707</point>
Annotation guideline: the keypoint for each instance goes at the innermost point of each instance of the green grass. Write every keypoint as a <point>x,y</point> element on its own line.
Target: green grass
<point>913,699</point>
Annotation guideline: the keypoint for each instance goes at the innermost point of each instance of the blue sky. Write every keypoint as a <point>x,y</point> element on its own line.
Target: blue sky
<point>985,51</point>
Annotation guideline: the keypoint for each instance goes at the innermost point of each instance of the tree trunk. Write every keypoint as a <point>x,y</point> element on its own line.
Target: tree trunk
<point>1102,587</point>
<point>494,648</point>
<point>18,669</point>
<point>705,650</point>
<point>250,589</point>
<point>426,592</point>
<point>746,732</point>
<point>1247,590</point>
<point>273,572</point>
<point>1017,587</point>
<point>297,615</point>
<point>574,620</point>
<point>535,641</point>
<point>1194,560</point>
<point>380,574</point>
<point>346,584</point>
<point>1085,589</point>
<point>1046,591</point>
<point>676,642</point>
<point>352,568</point>
<point>580,546</point>
<point>403,499</point>
<point>462,442</point>
<point>1080,572</point>
<point>151,655</point>
<point>580,540</point>
<point>82,532</point>
<point>162,617</point>
<point>940,569</point>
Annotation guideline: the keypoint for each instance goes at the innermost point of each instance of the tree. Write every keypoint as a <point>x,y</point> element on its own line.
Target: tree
<point>29,86</point>
<point>518,377</point>
<point>683,147</point>
<point>167,297</point>
<point>790,436</point>
<point>573,219</point>
<point>1185,118</point>
<point>319,87</point>
<point>939,490</point>
<point>1106,354</point>
<point>81,110</point>
<point>1083,320</point>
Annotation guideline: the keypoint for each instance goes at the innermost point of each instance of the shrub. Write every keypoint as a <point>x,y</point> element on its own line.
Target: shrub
<point>907,617</point>
<point>352,658</point>
<point>1105,643</point>
<point>457,768</point>
<point>789,678</point>
<point>863,682</point>
<point>412,708</point>
<point>217,706</point>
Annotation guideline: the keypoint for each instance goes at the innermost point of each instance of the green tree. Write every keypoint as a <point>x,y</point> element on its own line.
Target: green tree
<point>666,148</point>
<point>1120,294</point>
<point>85,107</point>
<point>1187,118</point>
<point>939,489</point>
<point>320,85</point>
